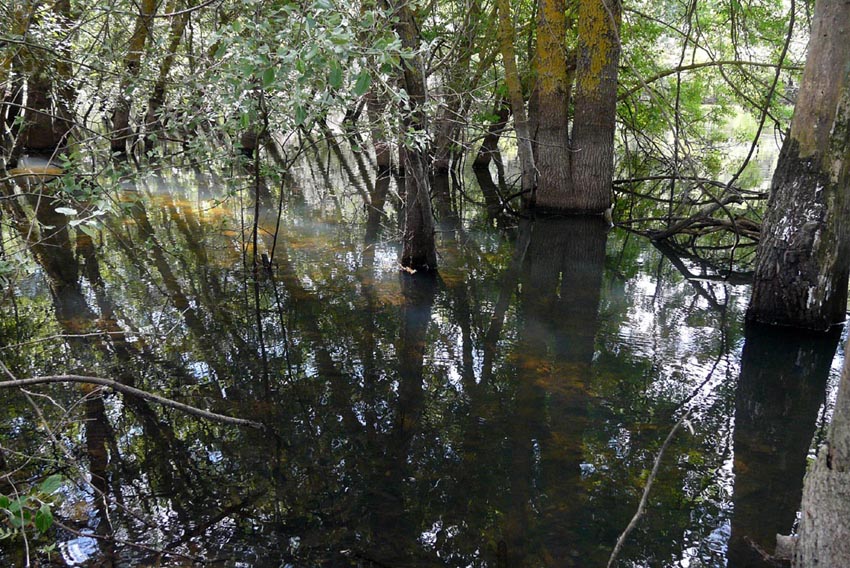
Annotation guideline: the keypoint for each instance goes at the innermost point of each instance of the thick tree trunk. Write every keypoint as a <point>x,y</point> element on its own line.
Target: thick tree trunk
<point>553,97</point>
<point>132,65</point>
<point>47,119</point>
<point>777,400</point>
<point>419,248</point>
<point>595,109</point>
<point>824,533</point>
<point>47,122</point>
<point>803,257</point>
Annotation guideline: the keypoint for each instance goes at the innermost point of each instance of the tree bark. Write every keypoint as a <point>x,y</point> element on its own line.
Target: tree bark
<point>803,258</point>
<point>553,98</point>
<point>489,149</point>
<point>595,109</point>
<point>824,533</point>
<point>419,248</point>
<point>777,400</point>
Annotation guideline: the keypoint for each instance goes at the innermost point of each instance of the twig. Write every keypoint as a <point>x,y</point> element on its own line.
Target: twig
<point>131,544</point>
<point>645,497</point>
<point>122,388</point>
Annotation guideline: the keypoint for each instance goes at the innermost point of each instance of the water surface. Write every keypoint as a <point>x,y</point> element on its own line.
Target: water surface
<point>507,412</point>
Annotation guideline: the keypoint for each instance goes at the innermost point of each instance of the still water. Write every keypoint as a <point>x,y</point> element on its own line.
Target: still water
<point>505,413</point>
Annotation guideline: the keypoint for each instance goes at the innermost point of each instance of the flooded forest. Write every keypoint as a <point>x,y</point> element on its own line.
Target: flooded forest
<point>396,283</point>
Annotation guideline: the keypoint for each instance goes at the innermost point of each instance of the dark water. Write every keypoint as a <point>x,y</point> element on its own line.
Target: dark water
<point>505,413</point>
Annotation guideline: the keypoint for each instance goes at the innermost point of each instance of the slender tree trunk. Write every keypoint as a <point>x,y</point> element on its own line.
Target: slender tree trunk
<point>375,105</point>
<point>132,66</point>
<point>803,258</point>
<point>457,96</point>
<point>153,121</point>
<point>553,95</point>
<point>490,146</point>
<point>595,108</point>
<point>419,247</point>
<point>512,81</point>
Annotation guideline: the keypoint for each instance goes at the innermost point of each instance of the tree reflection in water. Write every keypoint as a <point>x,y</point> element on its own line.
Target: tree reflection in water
<point>503,414</point>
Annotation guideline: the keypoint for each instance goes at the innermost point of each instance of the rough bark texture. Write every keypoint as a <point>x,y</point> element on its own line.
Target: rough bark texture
<point>778,397</point>
<point>419,248</point>
<point>803,257</point>
<point>824,533</point>
<point>132,65</point>
<point>553,95</point>
<point>595,108</point>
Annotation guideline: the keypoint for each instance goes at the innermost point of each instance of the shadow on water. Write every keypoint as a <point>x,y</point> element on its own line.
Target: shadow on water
<point>780,391</point>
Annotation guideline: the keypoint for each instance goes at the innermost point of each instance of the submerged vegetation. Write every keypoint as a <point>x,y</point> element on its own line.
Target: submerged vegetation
<point>404,283</point>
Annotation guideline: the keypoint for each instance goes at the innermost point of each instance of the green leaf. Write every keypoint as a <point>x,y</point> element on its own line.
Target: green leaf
<point>43,518</point>
<point>364,81</point>
<point>50,484</point>
<point>300,115</point>
<point>89,229</point>
<point>17,504</point>
<point>335,76</point>
<point>268,77</point>
<point>66,211</point>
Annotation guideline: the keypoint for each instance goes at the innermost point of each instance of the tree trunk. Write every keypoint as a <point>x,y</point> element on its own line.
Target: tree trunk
<point>512,81</point>
<point>419,248</point>
<point>777,400</point>
<point>132,65</point>
<point>490,146</point>
<point>595,109</point>
<point>47,119</point>
<point>157,98</point>
<point>553,97</point>
<point>824,533</point>
<point>803,258</point>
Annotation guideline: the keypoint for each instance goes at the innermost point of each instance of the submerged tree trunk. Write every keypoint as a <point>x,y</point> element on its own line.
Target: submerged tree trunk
<point>132,65</point>
<point>419,248</point>
<point>777,401</point>
<point>803,258</point>
<point>824,534</point>
<point>595,107</point>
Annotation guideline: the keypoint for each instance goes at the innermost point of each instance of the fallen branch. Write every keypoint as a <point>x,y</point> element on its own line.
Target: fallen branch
<point>132,391</point>
<point>700,215</point>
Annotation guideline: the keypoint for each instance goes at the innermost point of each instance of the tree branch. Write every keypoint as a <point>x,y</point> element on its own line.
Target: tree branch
<point>693,66</point>
<point>132,391</point>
